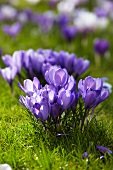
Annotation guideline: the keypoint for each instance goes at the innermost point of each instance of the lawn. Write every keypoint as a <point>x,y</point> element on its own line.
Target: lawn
<point>24,143</point>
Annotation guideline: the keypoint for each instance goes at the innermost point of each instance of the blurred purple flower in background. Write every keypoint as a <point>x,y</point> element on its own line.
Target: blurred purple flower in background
<point>85,155</point>
<point>69,32</point>
<point>101,46</point>
<point>104,150</point>
<point>9,74</point>
<point>80,66</point>
<point>100,12</point>
<point>12,30</point>
<point>16,60</point>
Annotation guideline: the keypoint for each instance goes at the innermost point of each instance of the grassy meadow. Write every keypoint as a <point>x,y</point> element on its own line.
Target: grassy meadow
<point>24,144</point>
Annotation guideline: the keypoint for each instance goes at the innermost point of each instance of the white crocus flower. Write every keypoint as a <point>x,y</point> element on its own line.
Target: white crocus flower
<point>5,167</point>
<point>85,21</point>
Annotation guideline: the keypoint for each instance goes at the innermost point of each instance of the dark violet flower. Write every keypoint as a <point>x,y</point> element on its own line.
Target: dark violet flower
<point>36,61</point>
<point>69,32</point>
<point>41,110</point>
<point>9,74</point>
<point>80,66</point>
<point>56,110</point>
<point>66,60</point>
<point>12,30</point>
<point>63,20</point>
<point>85,155</point>
<point>92,91</point>
<point>30,86</point>
<point>104,150</point>
<point>56,76</point>
<point>101,46</point>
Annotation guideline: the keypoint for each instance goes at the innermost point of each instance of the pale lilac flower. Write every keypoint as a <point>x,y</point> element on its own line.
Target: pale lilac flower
<point>39,106</point>
<point>92,91</point>
<point>56,76</point>
<point>101,46</point>
<point>15,61</point>
<point>30,86</point>
<point>12,30</point>
<point>9,74</point>
<point>104,150</point>
<point>8,12</point>
<point>65,98</point>
<point>100,12</point>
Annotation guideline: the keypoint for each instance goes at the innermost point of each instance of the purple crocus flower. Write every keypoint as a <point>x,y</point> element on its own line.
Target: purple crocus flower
<point>65,98</point>
<point>36,60</point>
<point>45,67</point>
<point>66,60</point>
<point>44,21</point>
<point>104,150</point>
<point>12,30</point>
<point>92,91</point>
<point>101,46</point>
<point>80,66</point>
<point>15,60</point>
<point>39,107</point>
<point>49,56</point>
<point>56,110</point>
<point>69,32</point>
<point>63,20</point>
<point>100,12</point>
<point>30,86</point>
<point>85,155</point>
<point>56,76</point>
<point>9,74</point>
<point>41,110</point>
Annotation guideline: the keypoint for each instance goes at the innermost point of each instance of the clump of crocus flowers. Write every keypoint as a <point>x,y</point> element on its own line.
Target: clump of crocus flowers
<point>61,96</point>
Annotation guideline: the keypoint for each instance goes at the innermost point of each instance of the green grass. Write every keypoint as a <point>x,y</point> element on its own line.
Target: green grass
<point>23,143</point>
